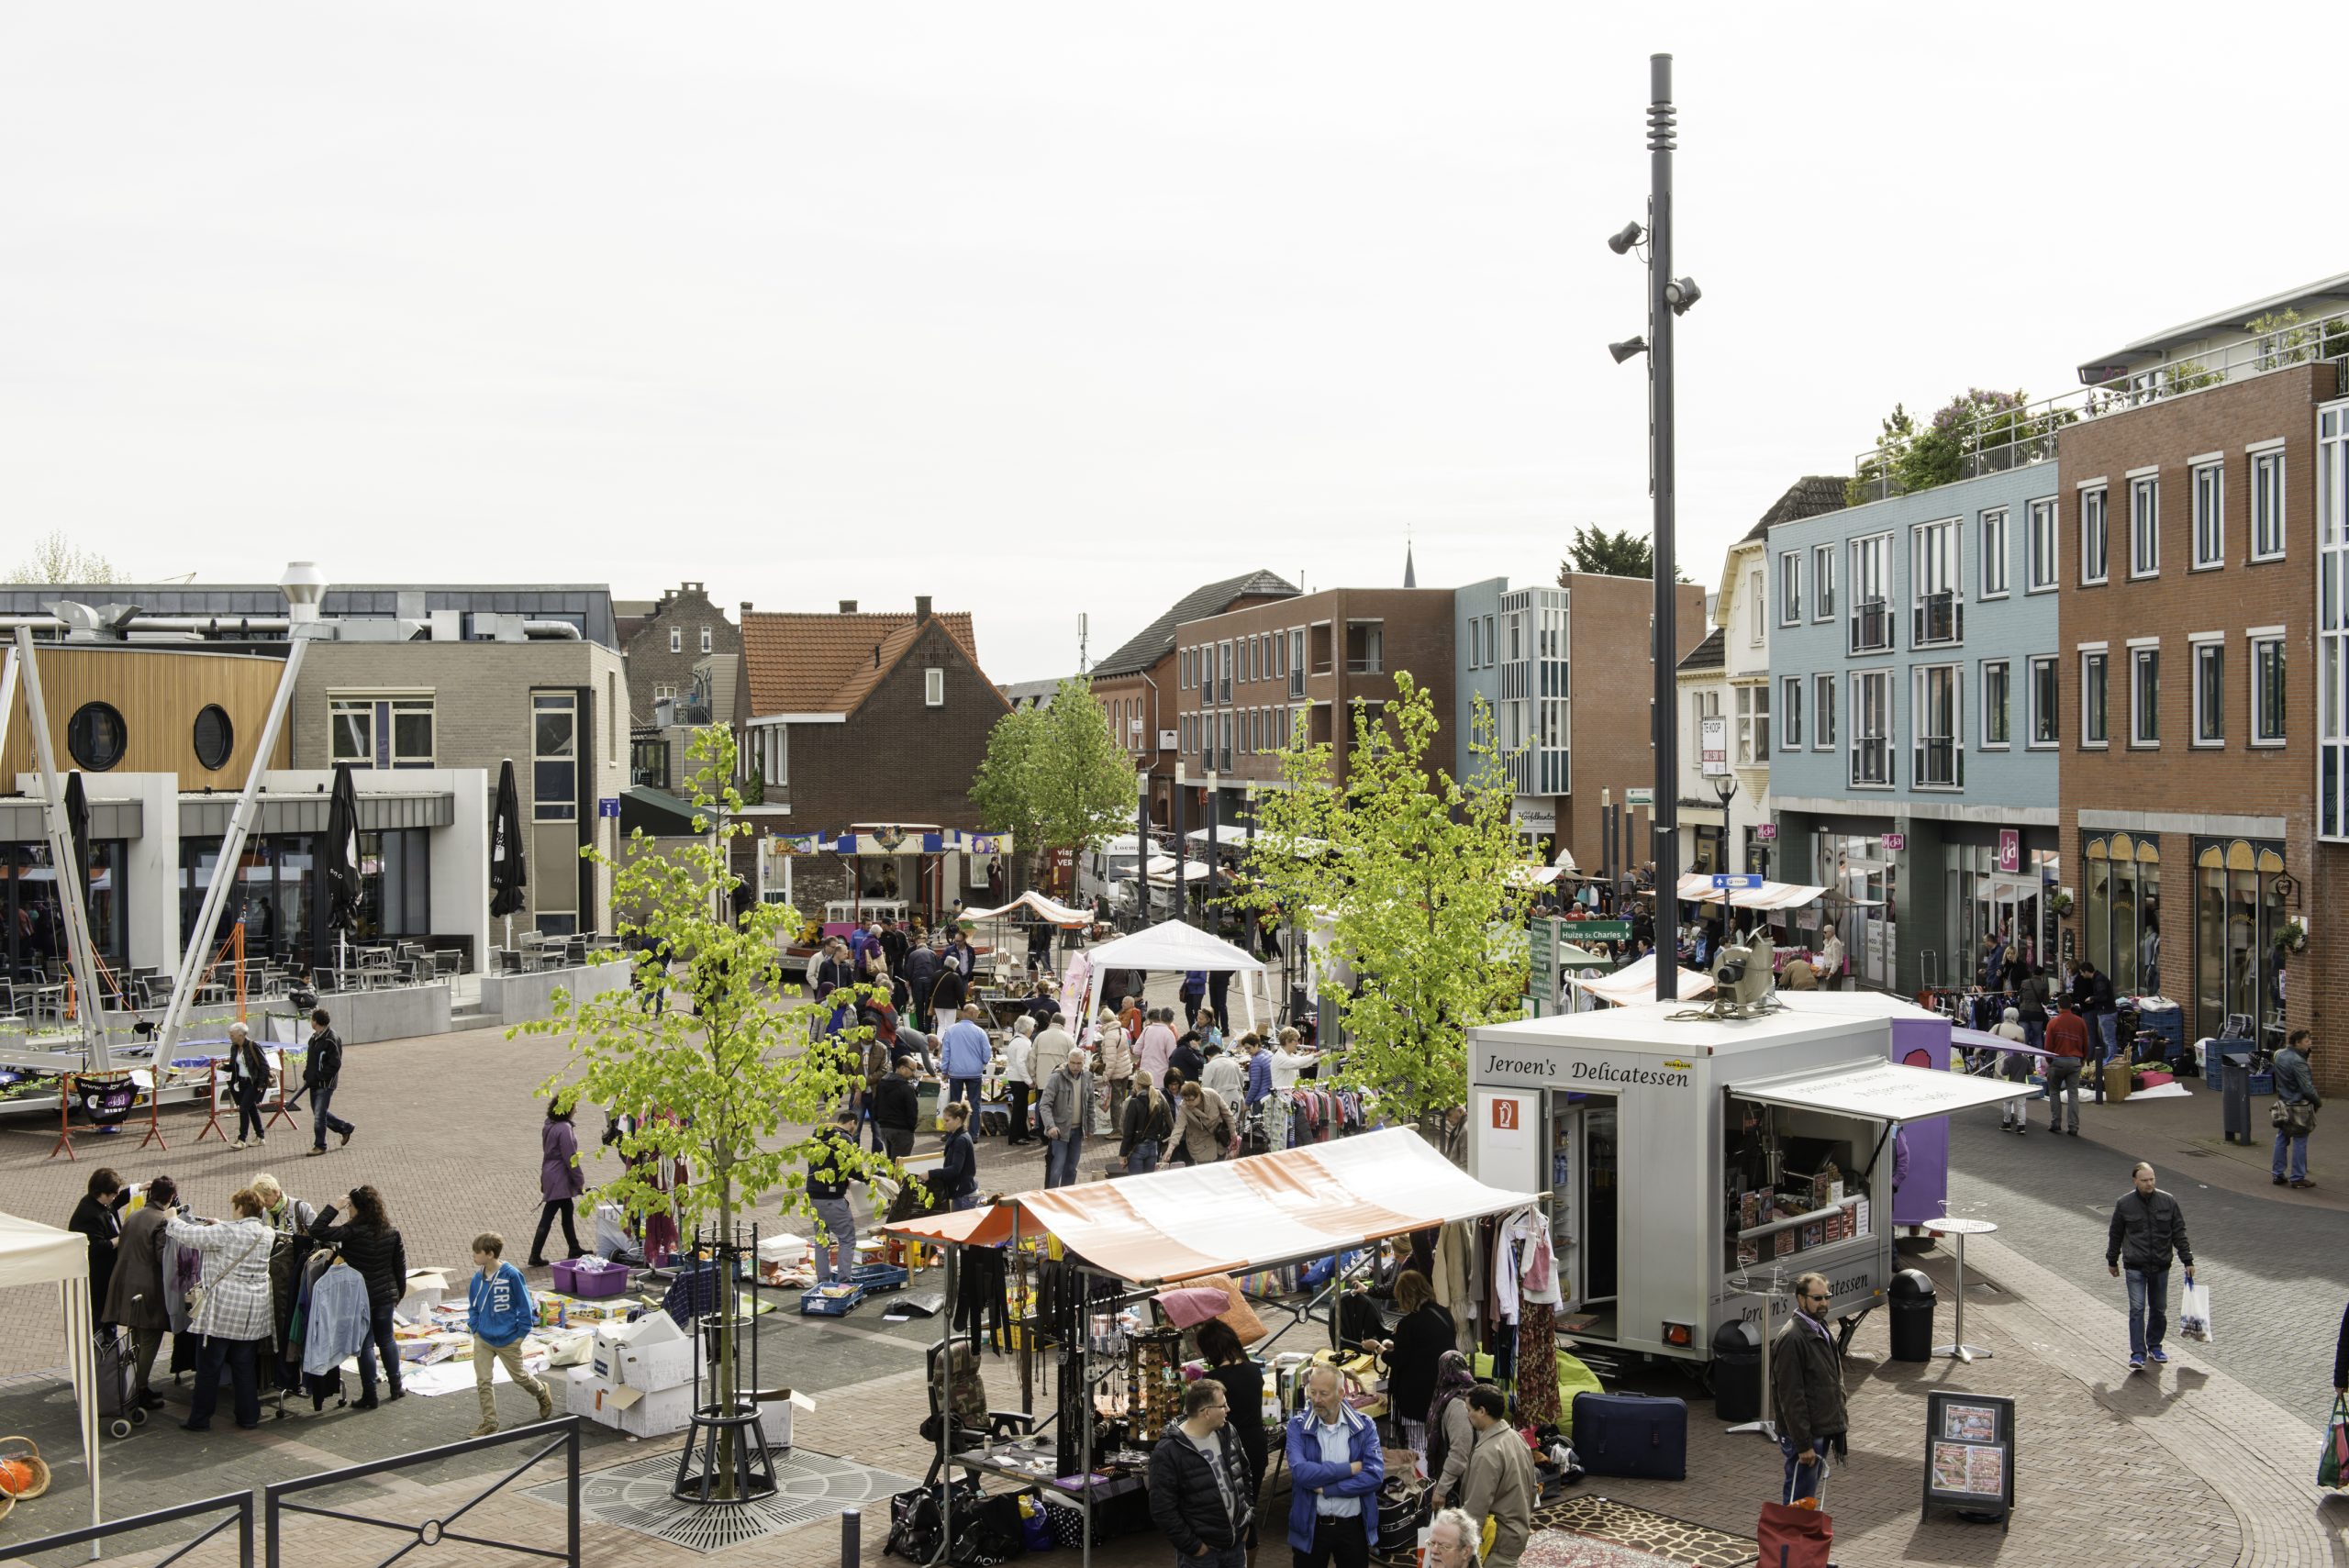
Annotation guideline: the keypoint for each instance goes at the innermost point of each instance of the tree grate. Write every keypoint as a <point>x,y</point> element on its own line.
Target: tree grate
<point>808,1486</point>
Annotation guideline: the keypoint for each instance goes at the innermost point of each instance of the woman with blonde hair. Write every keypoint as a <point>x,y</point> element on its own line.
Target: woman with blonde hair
<point>231,1314</point>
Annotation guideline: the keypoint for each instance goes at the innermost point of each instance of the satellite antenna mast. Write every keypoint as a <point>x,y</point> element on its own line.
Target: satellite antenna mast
<point>1081,665</point>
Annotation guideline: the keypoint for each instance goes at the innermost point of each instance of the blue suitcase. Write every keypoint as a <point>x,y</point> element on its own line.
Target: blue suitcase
<point>1632,1436</point>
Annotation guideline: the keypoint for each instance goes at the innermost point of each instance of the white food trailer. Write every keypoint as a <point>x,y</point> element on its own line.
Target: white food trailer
<point>1688,1160</point>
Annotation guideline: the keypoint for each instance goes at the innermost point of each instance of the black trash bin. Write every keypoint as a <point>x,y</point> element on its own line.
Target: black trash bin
<point>1737,1372</point>
<point>2234,1101</point>
<point>1912,1317</point>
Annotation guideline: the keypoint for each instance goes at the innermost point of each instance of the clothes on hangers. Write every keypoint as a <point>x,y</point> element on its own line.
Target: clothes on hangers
<point>335,1325</point>
<point>1537,1357</point>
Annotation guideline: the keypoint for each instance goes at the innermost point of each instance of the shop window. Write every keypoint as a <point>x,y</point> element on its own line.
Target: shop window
<point>215,738</point>
<point>2124,909</point>
<point>32,917</point>
<point>2237,914</point>
<point>95,736</point>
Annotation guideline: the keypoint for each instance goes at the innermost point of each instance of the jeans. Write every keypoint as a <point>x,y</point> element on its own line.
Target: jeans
<point>1145,1159</point>
<point>2062,1078</point>
<point>2108,1026</point>
<point>2300,1152</point>
<point>547,1213</point>
<point>1060,1157</point>
<point>248,1116</point>
<point>966,1201</point>
<point>962,1089</point>
<point>2034,1033</point>
<point>1224,1557</point>
<point>1802,1479</point>
<point>837,1228</point>
<point>1337,1538</point>
<point>379,1340</point>
<point>241,1359</point>
<point>1119,1089</point>
<point>322,1120</point>
<point>1016,1092</point>
<point>2148,1308</point>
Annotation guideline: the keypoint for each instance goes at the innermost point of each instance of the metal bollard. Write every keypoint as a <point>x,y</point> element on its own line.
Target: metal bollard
<point>851,1523</point>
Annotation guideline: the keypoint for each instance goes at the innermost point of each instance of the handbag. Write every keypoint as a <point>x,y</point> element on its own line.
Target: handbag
<point>1795,1535</point>
<point>2298,1119</point>
<point>2333,1466</point>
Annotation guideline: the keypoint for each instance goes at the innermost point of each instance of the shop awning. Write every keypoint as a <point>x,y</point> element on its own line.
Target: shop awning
<point>1881,1091</point>
<point>1237,1215</point>
<point>1698,888</point>
<point>1635,982</point>
<point>1043,908</point>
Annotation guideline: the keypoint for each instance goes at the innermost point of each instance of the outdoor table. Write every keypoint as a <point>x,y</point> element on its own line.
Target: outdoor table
<point>1961,1228</point>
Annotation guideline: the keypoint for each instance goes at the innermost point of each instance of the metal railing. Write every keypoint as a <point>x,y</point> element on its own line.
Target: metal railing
<point>234,1509</point>
<point>1871,627</point>
<point>1937,617</point>
<point>559,1436</point>
<point>1938,764</point>
<point>1997,434</point>
<point>1872,761</point>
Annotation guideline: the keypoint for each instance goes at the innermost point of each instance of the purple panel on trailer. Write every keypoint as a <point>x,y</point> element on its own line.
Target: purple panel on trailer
<point>1923,1043</point>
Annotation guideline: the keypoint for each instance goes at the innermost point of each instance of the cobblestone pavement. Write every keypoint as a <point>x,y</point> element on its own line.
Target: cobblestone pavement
<point>2200,1465</point>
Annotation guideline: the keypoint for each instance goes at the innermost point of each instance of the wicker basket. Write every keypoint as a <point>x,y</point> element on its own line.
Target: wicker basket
<point>21,1455</point>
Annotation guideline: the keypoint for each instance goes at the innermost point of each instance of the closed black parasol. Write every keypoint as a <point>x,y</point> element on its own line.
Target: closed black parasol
<point>77,833</point>
<point>339,855</point>
<point>507,875</point>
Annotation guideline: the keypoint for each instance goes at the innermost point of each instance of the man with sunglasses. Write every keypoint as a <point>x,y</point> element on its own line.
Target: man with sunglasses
<point>1807,1390</point>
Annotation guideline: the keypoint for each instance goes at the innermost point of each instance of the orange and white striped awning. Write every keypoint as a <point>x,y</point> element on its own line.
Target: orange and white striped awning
<point>1237,1215</point>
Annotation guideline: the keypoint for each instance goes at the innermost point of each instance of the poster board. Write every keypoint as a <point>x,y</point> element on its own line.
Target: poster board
<point>1970,1453</point>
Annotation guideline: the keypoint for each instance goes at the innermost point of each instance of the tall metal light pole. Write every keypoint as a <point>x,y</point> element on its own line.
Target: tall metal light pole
<point>1668,297</point>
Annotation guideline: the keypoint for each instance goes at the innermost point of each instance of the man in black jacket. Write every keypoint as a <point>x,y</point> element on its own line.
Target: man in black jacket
<point>1807,1390</point>
<point>321,1069</point>
<point>1199,1493</point>
<point>2148,1226</point>
<point>896,1106</point>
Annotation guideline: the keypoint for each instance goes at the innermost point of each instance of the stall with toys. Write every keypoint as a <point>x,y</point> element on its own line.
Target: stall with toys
<point>1105,1283</point>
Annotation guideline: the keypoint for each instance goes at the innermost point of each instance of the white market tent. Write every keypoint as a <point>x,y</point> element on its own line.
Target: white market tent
<point>34,1253</point>
<point>1046,909</point>
<point>1173,945</point>
<point>1635,982</point>
<point>1698,888</point>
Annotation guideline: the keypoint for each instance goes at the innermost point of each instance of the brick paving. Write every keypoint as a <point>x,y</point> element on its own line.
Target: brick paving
<point>2209,1462</point>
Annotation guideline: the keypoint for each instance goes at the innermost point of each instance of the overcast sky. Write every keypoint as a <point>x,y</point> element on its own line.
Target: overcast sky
<point>1041,309</point>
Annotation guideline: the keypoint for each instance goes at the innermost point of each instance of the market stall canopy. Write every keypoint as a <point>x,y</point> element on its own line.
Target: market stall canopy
<point>34,1253</point>
<point>1161,871</point>
<point>1171,944</point>
<point>1565,859</point>
<point>1982,1040</point>
<point>1233,1216</point>
<point>1635,981</point>
<point>1520,875</point>
<point>1882,1091</point>
<point>1044,908</point>
<point>1698,888</point>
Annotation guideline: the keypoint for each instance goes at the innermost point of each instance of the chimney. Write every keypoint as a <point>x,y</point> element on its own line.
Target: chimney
<point>746,609</point>
<point>921,607</point>
<point>848,606</point>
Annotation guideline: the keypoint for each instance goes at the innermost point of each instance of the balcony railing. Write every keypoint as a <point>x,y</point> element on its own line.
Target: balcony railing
<point>1990,436</point>
<point>1937,618</point>
<point>1938,764</point>
<point>1871,627</point>
<point>1872,761</point>
<point>1362,666</point>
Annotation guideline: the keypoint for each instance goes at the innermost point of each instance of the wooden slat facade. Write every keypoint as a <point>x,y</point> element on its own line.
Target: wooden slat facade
<point>158,692</point>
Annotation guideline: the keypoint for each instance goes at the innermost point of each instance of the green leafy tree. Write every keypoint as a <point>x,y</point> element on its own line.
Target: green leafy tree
<point>56,558</point>
<point>1055,777</point>
<point>1411,871</point>
<point>1620,554</point>
<point>722,1083</point>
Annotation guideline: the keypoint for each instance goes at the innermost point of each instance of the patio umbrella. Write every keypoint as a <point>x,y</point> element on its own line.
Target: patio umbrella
<point>77,832</point>
<point>507,873</point>
<point>338,856</point>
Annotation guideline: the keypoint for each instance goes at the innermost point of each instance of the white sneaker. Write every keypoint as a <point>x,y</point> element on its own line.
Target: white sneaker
<point>238,1144</point>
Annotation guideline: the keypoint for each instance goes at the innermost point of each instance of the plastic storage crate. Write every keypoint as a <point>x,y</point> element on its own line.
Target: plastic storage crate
<point>589,1279</point>
<point>875,1277</point>
<point>833,1300</point>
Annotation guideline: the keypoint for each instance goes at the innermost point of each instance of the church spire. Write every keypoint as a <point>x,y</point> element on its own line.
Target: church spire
<point>1410,573</point>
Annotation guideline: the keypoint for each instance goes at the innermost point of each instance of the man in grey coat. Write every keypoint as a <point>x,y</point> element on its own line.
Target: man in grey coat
<point>2295,1109</point>
<point>1061,1108</point>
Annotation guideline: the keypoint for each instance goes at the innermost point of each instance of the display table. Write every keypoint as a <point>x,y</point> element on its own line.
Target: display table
<point>1961,1228</point>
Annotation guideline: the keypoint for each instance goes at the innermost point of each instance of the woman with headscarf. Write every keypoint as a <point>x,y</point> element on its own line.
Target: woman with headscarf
<point>1451,1436</point>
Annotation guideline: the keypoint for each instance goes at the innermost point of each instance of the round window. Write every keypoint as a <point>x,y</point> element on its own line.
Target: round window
<point>95,735</point>
<point>215,738</point>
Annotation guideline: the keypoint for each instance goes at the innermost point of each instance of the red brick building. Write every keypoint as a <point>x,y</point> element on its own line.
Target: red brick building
<point>2189,539</point>
<point>1137,683</point>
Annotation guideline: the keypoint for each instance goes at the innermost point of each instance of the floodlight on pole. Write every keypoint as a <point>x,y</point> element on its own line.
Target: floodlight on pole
<point>1626,348</point>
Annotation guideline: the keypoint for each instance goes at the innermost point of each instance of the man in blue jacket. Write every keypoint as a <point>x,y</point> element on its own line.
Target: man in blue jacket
<point>1337,1463</point>
<point>967,1054</point>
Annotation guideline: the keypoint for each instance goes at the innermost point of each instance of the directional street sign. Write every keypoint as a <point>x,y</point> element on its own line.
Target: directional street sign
<point>1726,880</point>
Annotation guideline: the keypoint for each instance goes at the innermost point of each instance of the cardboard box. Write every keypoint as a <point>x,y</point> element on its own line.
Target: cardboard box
<point>426,1288</point>
<point>586,1396</point>
<point>776,1405</point>
<point>653,1413</point>
<point>669,1364</point>
<point>656,1332</point>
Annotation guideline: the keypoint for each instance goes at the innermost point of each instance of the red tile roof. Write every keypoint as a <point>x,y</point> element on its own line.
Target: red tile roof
<point>828,663</point>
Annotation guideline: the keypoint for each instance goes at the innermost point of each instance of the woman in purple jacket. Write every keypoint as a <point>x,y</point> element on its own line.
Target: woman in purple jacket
<point>560,1182</point>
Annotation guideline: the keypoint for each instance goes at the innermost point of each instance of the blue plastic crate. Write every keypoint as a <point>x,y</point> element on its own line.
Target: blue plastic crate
<point>829,1301</point>
<point>877,1277</point>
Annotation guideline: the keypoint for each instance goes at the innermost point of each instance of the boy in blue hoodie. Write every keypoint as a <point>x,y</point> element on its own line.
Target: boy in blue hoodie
<point>499,1305</point>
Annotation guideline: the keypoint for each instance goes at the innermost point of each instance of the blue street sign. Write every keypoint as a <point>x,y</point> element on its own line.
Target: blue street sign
<point>1728,881</point>
<point>607,806</point>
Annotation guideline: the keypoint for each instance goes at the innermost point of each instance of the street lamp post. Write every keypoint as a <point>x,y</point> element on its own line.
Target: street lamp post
<point>1668,298</point>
